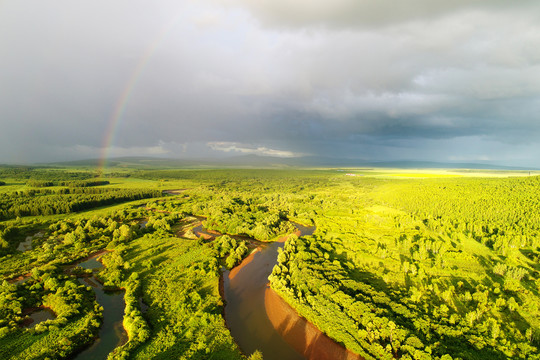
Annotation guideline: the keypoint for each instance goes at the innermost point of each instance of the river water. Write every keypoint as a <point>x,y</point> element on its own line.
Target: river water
<point>245,312</point>
<point>111,332</point>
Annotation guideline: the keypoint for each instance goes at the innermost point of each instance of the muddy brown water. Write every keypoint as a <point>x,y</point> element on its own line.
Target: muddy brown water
<point>245,311</point>
<point>305,337</point>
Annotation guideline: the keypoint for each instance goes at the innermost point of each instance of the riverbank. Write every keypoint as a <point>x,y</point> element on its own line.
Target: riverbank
<point>111,333</point>
<point>303,336</point>
<point>259,319</point>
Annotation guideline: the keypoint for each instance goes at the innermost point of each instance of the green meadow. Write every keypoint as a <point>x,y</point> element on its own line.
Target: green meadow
<point>427,264</point>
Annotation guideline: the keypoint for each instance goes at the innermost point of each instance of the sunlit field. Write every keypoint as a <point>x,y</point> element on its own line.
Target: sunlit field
<point>411,264</point>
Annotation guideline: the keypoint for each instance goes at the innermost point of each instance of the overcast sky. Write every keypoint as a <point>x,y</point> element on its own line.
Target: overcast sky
<point>368,79</point>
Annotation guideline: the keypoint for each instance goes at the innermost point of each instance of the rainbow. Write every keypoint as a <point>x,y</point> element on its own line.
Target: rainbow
<point>124,97</point>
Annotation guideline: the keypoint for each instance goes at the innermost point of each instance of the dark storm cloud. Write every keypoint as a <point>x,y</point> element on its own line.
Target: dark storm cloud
<point>361,13</point>
<point>433,80</point>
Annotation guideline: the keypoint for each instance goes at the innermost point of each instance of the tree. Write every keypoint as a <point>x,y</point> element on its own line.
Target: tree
<point>257,355</point>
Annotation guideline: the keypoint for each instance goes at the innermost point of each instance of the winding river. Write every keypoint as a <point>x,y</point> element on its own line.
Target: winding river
<point>257,317</point>
<point>111,332</point>
<point>245,311</point>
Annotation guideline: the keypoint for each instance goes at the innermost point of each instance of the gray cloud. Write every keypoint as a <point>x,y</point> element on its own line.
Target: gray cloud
<point>368,79</point>
<point>362,13</point>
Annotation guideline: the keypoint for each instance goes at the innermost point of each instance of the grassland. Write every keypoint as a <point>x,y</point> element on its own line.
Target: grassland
<point>408,264</point>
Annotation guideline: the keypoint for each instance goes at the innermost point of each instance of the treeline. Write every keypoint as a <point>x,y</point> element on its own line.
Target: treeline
<point>39,183</point>
<point>84,183</point>
<point>73,183</point>
<point>35,173</point>
<point>64,201</point>
<point>244,177</point>
<point>2,183</point>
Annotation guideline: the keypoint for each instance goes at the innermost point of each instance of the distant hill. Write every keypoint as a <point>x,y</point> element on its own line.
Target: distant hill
<point>132,162</point>
<point>256,161</point>
<point>445,165</point>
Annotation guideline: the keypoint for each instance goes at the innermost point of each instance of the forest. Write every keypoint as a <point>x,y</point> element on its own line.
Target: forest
<point>65,201</point>
<point>409,267</point>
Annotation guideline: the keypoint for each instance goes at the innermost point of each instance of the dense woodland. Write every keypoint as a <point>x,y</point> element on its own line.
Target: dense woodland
<point>43,174</point>
<point>432,268</point>
<point>34,202</point>
<point>423,268</point>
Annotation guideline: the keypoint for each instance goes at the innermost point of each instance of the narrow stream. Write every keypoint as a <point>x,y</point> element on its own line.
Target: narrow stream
<point>245,311</point>
<point>111,332</point>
